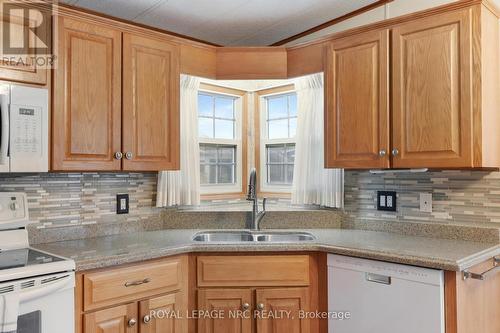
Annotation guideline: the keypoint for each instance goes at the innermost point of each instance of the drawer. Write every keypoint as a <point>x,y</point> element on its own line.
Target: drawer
<point>253,271</point>
<point>124,284</point>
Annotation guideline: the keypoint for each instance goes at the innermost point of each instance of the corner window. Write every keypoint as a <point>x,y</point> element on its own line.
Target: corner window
<point>278,141</point>
<point>219,131</point>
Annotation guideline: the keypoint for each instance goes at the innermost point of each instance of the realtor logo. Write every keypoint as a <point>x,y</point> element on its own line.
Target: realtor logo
<point>27,33</point>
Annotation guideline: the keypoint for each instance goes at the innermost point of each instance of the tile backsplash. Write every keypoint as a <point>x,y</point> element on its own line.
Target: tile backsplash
<point>459,197</point>
<point>84,204</point>
<point>69,199</point>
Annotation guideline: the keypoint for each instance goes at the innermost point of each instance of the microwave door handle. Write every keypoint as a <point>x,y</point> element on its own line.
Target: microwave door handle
<point>44,290</point>
<point>5,129</point>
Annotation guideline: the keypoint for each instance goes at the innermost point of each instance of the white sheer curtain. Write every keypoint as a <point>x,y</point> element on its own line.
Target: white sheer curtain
<point>312,183</point>
<point>183,187</point>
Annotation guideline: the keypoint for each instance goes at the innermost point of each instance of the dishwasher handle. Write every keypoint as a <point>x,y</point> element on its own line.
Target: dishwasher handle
<point>377,278</point>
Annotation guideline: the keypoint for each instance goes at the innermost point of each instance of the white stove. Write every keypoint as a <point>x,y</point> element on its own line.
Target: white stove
<point>36,288</point>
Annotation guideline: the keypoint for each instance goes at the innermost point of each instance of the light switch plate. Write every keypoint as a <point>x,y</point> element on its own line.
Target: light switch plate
<point>122,204</point>
<point>386,201</point>
<point>426,202</point>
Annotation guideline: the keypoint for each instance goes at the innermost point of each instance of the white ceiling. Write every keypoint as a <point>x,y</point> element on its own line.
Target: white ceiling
<point>227,22</point>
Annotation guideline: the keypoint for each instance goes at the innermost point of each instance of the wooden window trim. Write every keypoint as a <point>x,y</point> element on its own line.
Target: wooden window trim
<point>257,122</point>
<point>212,88</point>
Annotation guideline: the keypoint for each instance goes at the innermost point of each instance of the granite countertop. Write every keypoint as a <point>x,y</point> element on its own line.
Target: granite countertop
<point>454,255</point>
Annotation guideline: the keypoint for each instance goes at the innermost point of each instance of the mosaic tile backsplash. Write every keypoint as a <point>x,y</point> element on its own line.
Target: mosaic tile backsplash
<point>69,199</point>
<point>459,197</point>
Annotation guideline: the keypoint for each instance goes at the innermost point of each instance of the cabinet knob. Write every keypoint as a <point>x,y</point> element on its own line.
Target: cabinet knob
<point>260,306</point>
<point>146,319</point>
<point>118,155</point>
<point>245,306</point>
<point>395,152</point>
<point>382,153</point>
<point>132,322</point>
<point>129,155</point>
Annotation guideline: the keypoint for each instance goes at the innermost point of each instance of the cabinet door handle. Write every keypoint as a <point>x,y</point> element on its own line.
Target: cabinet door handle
<point>132,322</point>
<point>395,152</point>
<point>146,319</point>
<point>118,155</point>
<point>245,306</point>
<point>137,283</point>
<point>260,306</point>
<point>382,153</point>
<point>129,155</point>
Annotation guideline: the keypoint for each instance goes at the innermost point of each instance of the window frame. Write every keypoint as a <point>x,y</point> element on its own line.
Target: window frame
<point>278,190</point>
<point>214,191</point>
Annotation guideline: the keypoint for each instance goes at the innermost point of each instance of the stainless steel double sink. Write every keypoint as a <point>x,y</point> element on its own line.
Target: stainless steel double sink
<point>241,236</point>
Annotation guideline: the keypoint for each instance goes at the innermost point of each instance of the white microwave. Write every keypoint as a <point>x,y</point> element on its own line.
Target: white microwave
<point>24,123</point>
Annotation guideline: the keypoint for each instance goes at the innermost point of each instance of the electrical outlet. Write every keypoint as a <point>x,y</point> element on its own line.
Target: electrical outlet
<point>386,201</point>
<point>122,204</point>
<point>426,202</point>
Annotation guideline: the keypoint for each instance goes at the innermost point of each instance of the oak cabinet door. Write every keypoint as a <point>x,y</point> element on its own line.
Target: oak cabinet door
<point>356,101</point>
<point>432,92</point>
<point>87,97</point>
<point>280,310</point>
<point>30,40</point>
<point>150,104</point>
<point>228,301</point>
<point>164,314</point>
<point>113,320</point>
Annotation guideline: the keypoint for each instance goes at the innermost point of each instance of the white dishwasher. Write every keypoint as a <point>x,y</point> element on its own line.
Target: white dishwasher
<point>383,297</point>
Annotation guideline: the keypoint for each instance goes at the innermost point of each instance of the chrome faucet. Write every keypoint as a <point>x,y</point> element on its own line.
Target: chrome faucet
<point>252,196</point>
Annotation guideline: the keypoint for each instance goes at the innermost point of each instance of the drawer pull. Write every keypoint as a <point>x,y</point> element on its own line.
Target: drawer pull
<point>483,275</point>
<point>137,283</point>
<point>377,278</point>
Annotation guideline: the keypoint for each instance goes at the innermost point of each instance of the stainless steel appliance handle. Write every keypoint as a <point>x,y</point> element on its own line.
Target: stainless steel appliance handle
<point>482,276</point>
<point>5,129</point>
<point>377,278</point>
<point>44,289</point>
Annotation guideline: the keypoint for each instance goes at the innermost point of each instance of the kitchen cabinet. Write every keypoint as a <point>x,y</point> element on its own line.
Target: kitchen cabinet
<point>287,303</point>
<point>357,97</point>
<point>159,314</point>
<point>473,305</point>
<point>443,94</point>
<point>119,319</point>
<point>281,285</point>
<point>29,61</point>
<point>86,116</point>
<point>150,104</point>
<point>116,107</point>
<point>228,301</point>
<point>432,92</point>
<point>149,297</point>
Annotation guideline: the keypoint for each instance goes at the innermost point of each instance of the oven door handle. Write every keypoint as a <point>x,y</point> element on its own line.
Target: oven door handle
<point>5,130</point>
<point>44,289</point>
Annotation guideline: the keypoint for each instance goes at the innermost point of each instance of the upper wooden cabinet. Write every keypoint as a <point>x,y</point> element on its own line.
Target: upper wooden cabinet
<point>356,101</point>
<point>445,83</point>
<point>30,40</point>
<point>150,104</point>
<point>86,115</point>
<point>103,122</point>
<point>432,92</point>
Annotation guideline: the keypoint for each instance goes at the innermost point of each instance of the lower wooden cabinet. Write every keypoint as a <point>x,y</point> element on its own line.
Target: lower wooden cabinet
<point>155,314</point>
<point>286,304</point>
<point>234,304</point>
<point>257,293</point>
<point>119,319</point>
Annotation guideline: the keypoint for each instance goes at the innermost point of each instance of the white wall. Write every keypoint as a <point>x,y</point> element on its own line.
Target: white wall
<point>390,10</point>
